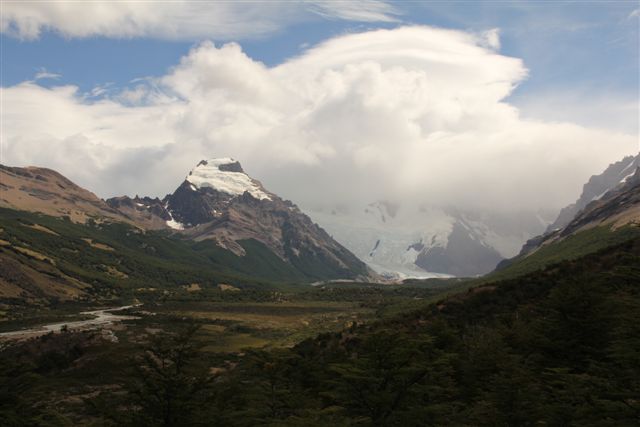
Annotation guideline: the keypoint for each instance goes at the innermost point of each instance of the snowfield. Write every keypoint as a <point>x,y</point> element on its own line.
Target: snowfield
<point>208,174</point>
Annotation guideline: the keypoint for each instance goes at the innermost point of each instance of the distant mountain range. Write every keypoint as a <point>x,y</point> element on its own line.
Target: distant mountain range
<point>256,232</point>
<point>401,240</point>
<point>222,225</point>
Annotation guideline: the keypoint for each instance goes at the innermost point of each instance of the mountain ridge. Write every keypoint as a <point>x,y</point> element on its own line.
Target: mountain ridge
<point>595,188</point>
<point>217,201</point>
<point>603,219</point>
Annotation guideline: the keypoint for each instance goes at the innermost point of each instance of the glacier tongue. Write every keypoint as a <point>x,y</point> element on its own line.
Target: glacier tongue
<point>396,240</point>
<point>387,243</point>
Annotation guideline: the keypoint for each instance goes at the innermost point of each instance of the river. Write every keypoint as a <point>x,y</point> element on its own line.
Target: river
<point>101,318</point>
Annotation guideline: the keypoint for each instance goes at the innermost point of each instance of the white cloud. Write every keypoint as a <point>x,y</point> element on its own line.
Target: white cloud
<point>44,74</point>
<point>356,10</point>
<point>619,112</point>
<point>492,38</point>
<point>413,113</point>
<point>184,20</point>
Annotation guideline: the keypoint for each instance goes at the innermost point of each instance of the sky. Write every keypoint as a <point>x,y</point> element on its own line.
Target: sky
<point>492,105</point>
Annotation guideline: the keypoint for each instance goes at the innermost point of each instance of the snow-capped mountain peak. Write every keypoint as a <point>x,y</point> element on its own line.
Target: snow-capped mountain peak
<point>226,176</point>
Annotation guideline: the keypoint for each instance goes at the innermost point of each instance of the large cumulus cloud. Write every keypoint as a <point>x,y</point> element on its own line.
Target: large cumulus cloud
<point>414,113</point>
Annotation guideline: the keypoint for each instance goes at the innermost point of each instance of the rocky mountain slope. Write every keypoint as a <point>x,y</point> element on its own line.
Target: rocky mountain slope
<point>44,190</point>
<point>618,207</point>
<point>607,198</point>
<point>146,212</point>
<point>45,259</point>
<point>610,217</point>
<point>217,202</point>
<point>596,187</point>
<point>417,241</point>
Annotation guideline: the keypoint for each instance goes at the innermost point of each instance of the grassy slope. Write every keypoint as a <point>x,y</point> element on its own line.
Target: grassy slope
<point>151,259</point>
<point>572,247</point>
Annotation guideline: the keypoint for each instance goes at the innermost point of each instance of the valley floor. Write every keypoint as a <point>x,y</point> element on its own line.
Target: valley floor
<point>78,352</point>
<point>557,346</point>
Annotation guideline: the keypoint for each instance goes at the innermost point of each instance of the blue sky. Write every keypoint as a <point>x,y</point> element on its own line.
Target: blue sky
<point>581,46</point>
<point>314,87</point>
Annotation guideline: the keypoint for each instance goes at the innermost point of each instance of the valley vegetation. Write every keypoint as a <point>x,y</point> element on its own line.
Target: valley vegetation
<point>558,346</point>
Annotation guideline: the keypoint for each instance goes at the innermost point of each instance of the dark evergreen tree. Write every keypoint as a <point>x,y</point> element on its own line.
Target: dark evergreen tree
<point>169,387</point>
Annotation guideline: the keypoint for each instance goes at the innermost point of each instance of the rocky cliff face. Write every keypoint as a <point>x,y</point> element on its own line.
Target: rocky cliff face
<point>618,207</point>
<point>595,188</point>
<point>462,256</point>
<point>609,199</point>
<point>145,212</point>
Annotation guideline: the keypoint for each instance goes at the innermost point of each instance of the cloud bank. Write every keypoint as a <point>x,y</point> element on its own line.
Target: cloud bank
<point>414,113</point>
<point>178,20</point>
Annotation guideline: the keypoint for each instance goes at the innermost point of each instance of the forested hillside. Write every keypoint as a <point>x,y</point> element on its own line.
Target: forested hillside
<point>555,347</point>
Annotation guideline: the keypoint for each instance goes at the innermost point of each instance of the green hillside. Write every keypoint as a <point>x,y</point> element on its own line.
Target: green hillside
<point>115,258</point>
<point>558,347</point>
<point>572,247</point>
